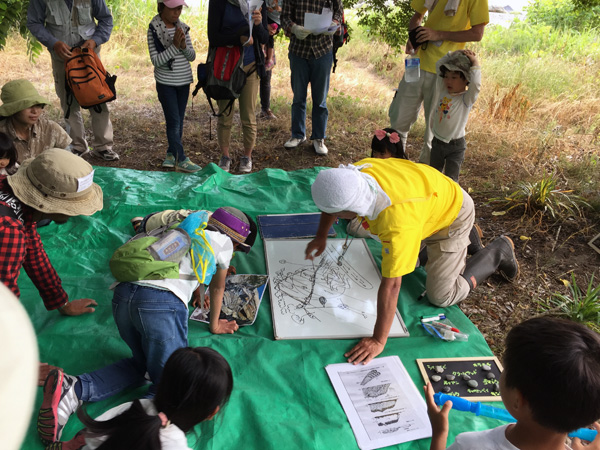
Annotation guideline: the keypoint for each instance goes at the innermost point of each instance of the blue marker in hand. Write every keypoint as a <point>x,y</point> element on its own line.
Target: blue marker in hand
<point>480,409</point>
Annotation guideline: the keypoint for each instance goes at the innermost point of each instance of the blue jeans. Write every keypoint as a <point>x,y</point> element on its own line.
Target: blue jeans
<point>153,323</point>
<point>174,101</point>
<point>316,72</point>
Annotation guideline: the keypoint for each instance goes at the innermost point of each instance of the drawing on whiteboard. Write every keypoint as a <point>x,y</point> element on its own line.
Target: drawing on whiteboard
<point>375,391</point>
<point>382,406</point>
<point>317,299</point>
<point>370,376</point>
<point>316,288</point>
<point>388,419</point>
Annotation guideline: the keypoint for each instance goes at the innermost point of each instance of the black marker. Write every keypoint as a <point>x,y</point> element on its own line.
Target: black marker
<point>422,296</point>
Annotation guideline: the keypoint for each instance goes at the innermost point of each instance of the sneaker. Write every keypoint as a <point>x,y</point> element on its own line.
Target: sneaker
<point>294,142</point>
<point>136,222</point>
<point>77,443</point>
<point>267,114</point>
<point>81,153</point>
<point>245,164</point>
<point>107,155</point>
<point>187,166</point>
<point>169,161</point>
<point>58,404</point>
<point>319,145</point>
<point>225,163</point>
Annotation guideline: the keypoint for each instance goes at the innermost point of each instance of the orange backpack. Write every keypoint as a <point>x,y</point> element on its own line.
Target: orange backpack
<point>87,80</point>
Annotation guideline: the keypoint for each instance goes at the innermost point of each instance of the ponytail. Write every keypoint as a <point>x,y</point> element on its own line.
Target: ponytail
<point>133,429</point>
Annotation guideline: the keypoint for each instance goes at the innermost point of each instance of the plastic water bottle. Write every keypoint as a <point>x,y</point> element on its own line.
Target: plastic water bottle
<point>412,69</point>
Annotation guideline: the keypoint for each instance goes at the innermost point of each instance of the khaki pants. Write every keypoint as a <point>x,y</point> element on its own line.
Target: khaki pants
<point>101,125</point>
<point>447,257</point>
<point>406,105</point>
<point>247,106</point>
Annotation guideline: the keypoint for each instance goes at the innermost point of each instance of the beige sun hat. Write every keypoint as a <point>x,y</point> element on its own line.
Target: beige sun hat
<point>18,95</point>
<point>455,61</point>
<point>57,182</point>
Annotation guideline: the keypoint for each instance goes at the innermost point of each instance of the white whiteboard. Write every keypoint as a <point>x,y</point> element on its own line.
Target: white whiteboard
<point>320,299</point>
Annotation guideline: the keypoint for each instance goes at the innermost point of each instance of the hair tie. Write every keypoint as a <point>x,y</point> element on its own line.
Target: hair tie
<point>393,137</point>
<point>164,422</point>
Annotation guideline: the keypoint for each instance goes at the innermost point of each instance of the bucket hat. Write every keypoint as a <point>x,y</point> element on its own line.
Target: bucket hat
<point>234,223</point>
<point>57,182</point>
<point>18,95</point>
<point>455,61</point>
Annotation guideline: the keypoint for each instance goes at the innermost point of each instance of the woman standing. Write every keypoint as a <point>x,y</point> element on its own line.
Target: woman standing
<point>228,26</point>
<point>171,51</point>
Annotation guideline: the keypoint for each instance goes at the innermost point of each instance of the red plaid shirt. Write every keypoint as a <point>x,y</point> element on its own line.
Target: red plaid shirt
<point>314,46</point>
<point>21,246</point>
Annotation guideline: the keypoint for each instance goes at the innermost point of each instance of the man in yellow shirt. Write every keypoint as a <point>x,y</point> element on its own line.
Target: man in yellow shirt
<point>449,25</point>
<point>403,203</point>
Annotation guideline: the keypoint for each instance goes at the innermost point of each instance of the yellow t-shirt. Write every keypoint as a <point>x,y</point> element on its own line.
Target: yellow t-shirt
<point>423,202</point>
<point>469,13</point>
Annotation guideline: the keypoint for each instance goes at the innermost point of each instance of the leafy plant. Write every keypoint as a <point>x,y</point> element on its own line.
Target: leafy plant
<point>577,305</point>
<point>543,197</point>
<point>13,18</point>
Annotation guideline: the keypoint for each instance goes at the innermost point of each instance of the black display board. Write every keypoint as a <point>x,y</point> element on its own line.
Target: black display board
<point>474,368</point>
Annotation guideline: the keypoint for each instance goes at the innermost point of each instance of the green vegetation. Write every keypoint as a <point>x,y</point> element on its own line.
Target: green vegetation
<point>543,198</point>
<point>577,305</point>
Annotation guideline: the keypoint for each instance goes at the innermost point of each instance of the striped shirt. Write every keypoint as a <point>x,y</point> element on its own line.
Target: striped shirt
<point>182,71</point>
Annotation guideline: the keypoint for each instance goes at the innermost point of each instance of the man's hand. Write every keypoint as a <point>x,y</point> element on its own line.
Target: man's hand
<point>315,248</point>
<point>44,370</point>
<point>224,326</point>
<point>78,307</point>
<point>300,32</point>
<point>363,352</point>
<point>62,50</point>
<point>90,43</point>
<point>337,30</point>
<point>428,34</point>
<point>438,419</point>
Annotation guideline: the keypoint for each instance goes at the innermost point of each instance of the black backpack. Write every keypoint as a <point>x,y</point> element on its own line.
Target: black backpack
<point>222,76</point>
<point>340,39</point>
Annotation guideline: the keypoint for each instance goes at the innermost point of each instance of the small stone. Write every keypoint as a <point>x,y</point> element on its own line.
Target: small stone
<point>491,376</point>
<point>496,387</point>
<point>472,384</point>
<point>446,389</point>
<point>466,377</point>
<point>439,369</point>
<point>486,367</point>
<point>450,377</point>
<point>435,378</point>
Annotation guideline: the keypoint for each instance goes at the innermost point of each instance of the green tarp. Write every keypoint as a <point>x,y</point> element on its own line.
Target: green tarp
<point>282,397</point>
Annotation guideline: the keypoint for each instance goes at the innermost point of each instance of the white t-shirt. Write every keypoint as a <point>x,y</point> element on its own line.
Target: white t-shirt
<point>183,288</point>
<point>452,111</point>
<point>494,439</point>
<point>171,437</point>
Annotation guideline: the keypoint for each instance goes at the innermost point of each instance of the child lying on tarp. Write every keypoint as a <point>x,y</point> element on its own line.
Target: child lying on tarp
<point>152,313</point>
<point>550,385</point>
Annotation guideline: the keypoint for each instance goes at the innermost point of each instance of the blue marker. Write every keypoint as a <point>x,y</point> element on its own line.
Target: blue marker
<point>480,409</point>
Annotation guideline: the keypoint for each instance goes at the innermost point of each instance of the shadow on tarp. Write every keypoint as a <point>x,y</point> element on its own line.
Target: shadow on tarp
<point>282,397</point>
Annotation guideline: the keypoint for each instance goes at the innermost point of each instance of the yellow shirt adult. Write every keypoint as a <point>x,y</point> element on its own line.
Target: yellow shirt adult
<point>468,14</point>
<point>423,202</point>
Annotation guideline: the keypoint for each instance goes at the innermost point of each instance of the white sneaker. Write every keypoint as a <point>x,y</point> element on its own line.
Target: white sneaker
<point>294,142</point>
<point>319,145</point>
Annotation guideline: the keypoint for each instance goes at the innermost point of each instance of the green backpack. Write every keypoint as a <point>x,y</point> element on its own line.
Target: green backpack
<point>154,255</point>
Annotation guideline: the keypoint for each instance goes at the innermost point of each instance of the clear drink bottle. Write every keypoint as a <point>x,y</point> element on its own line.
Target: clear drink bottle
<point>412,69</point>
